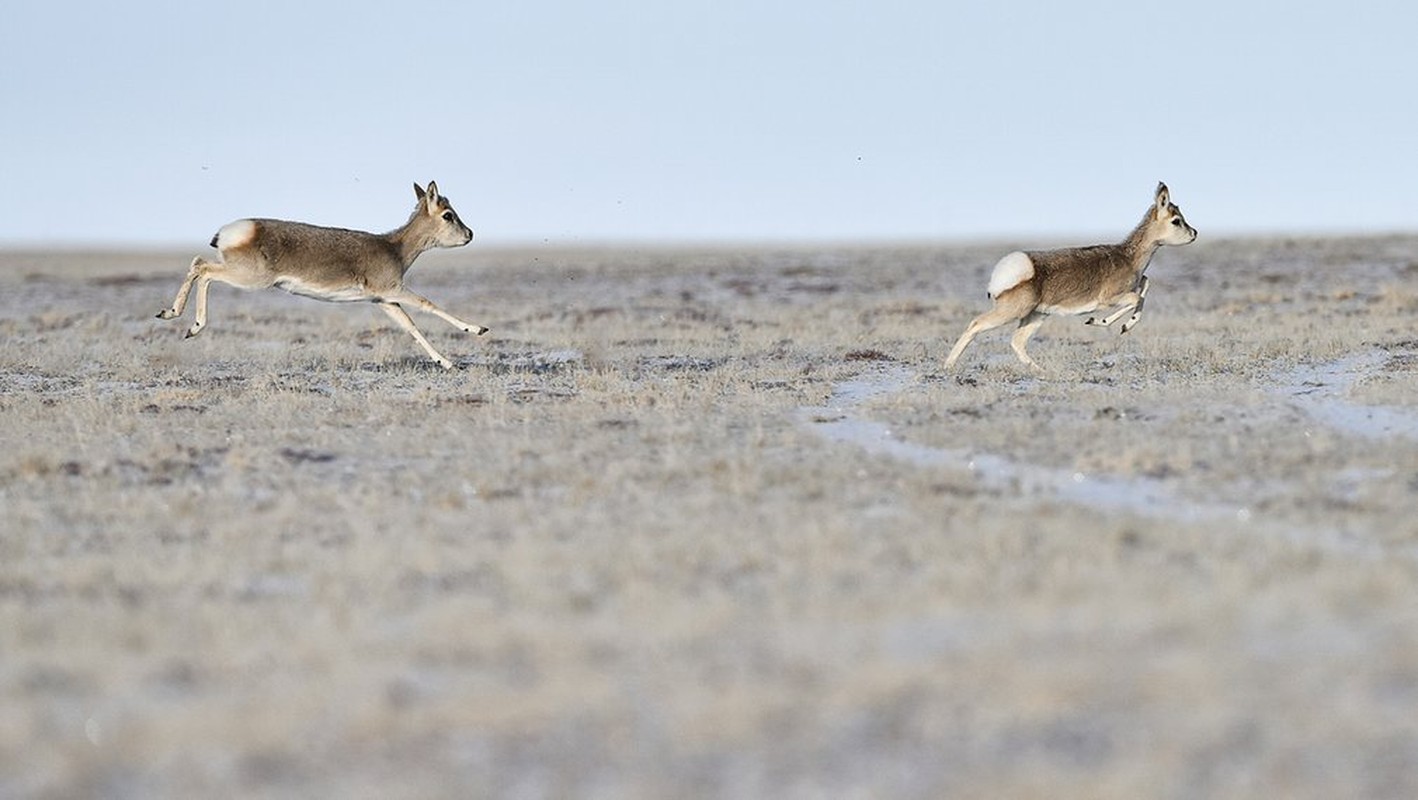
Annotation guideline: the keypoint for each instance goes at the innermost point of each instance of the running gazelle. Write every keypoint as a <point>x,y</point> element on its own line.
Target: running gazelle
<point>333,264</point>
<point>1028,286</point>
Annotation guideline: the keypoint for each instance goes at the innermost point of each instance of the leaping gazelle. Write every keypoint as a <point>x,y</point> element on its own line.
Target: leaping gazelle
<point>1028,286</point>
<point>333,264</point>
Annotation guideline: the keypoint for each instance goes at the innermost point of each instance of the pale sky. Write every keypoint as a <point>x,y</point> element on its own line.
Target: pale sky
<point>645,120</point>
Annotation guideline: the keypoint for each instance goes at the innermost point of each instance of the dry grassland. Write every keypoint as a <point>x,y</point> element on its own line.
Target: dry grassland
<point>648,540</point>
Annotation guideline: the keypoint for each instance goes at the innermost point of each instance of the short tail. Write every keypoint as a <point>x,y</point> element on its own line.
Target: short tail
<point>235,234</point>
<point>1011,271</point>
<point>213,243</point>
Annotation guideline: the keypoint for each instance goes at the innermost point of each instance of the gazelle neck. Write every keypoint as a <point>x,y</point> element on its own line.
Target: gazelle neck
<point>411,239</point>
<point>1141,244</point>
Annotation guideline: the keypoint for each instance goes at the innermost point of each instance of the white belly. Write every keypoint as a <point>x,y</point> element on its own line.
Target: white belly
<point>333,294</point>
<point>1068,309</point>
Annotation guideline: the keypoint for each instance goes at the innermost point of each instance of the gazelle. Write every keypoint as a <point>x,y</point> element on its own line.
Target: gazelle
<point>1028,286</point>
<point>332,264</point>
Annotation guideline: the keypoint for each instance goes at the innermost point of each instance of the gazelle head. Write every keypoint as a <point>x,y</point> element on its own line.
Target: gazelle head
<point>1165,224</point>
<point>436,216</point>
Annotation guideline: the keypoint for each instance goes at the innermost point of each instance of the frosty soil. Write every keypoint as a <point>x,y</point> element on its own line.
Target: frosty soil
<point>1320,390</point>
<point>841,422</point>
<point>704,522</point>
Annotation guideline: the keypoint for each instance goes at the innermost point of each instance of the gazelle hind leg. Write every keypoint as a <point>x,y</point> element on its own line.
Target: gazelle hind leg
<point>1020,339</point>
<point>1012,305</point>
<point>239,272</point>
<point>204,283</point>
<point>402,318</point>
<point>179,303</point>
<point>989,320</point>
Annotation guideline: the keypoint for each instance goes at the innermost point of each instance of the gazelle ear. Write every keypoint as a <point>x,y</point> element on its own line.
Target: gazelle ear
<point>418,191</point>
<point>1164,197</point>
<point>432,193</point>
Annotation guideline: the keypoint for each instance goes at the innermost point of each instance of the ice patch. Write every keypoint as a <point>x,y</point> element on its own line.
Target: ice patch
<point>1322,391</point>
<point>839,423</point>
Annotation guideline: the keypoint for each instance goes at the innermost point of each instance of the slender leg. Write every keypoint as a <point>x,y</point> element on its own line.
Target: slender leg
<point>995,317</point>
<point>1132,301</point>
<point>400,316</point>
<point>1128,304</point>
<point>976,326</point>
<point>200,275</point>
<point>1137,309</point>
<point>203,284</point>
<point>406,297</point>
<point>238,272</point>
<point>180,302</point>
<point>1026,329</point>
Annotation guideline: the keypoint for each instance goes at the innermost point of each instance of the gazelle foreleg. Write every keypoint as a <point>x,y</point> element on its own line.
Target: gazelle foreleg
<point>1136,309</point>
<point>402,318</point>
<point>1132,301</point>
<point>1128,304</point>
<point>406,297</point>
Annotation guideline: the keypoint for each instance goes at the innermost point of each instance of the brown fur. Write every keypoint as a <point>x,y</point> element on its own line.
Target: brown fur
<point>333,264</point>
<point>328,256</point>
<point>1079,280</point>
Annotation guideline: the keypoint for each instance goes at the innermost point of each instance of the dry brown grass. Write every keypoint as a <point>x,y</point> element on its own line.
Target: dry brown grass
<point>610,557</point>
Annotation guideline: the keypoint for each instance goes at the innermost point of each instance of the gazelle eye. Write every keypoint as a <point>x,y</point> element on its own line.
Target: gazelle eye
<point>1177,221</point>
<point>448,216</point>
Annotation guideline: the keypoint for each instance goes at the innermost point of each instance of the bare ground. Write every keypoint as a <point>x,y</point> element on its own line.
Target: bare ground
<point>713,523</point>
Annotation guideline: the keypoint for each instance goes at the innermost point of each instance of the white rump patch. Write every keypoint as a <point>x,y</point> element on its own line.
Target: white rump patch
<point>236,234</point>
<point>1011,271</point>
